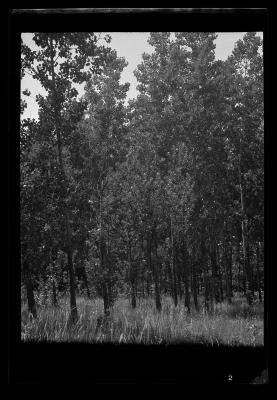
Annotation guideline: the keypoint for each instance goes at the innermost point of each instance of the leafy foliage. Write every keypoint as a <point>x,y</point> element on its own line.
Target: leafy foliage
<point>163,196</point>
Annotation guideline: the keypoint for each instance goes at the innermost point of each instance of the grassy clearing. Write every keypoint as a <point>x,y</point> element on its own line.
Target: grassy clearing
<point>235,324</point>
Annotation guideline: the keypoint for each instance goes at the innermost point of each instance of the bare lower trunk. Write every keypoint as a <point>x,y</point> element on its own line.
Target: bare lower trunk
<point>187,294</point>
<point>246,264</point>
<point>88,292</point>
<point>175,295</point>
<point>134,301</point>
<point>228,271</point>
<point>157,295</point>
<point>215,274</point>
<point>221,294</point>
<point>155,276</point>
<point>142,285</point>
<point>179,284</point>
<point>84,274</point>
<point>207,293</point>
<point>132,276</point>
<point>105,296</point>
<point>148,284</point>
<point>31,299</point>
<point>258,272</point>
<point>170,279</point>
<point>186,277</point>
<point>103,263</point>
<point>54,294</point>
<point>194,287</point>
<point>27,279</point>
<point>73,304</point>
<point>173,263</point>
<point>245,241</point>
<point>53,281</point>
<point>133,288</point>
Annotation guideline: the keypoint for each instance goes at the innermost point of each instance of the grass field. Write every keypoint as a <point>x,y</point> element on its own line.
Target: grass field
<point>229,324</point>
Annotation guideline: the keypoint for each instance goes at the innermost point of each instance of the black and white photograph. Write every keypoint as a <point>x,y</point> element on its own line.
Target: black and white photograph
<point>142,188</point>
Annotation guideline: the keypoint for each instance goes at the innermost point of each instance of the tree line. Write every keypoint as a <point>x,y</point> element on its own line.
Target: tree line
<point>163,195</point>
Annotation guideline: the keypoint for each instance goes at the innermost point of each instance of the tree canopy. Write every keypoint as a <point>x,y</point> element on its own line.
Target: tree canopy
<point>160,195</point>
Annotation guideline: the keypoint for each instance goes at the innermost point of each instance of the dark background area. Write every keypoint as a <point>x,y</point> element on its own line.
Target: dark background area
<point>76,363</point>
<point>82,363</point>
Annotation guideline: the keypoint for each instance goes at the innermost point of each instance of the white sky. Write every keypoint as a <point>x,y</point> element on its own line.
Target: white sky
<point>131,46</point>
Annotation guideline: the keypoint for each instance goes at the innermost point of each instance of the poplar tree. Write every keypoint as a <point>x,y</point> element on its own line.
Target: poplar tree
<point>60,60</point>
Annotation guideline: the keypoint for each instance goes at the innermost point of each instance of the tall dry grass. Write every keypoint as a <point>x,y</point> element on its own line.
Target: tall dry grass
<point>229,324</point>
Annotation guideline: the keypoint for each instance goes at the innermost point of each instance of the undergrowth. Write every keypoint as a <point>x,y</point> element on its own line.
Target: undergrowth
<point>228,324</point>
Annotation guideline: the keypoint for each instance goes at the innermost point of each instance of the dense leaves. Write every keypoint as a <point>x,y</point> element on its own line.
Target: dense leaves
<point>163,195</point>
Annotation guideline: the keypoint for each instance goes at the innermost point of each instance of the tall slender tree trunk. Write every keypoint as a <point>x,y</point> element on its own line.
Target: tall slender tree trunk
<point>245,243</point>
<point>108,262</point>
<point>105,296</point>
<point>155,273</point>
<point>142,285</point>
<point>179,282</point>
<point>246,263</point>
<point>186,277</point>
<point>241,286</point>
<point>187,294</point>
<point>187,291</point>
<point>207,292</point>
<point>258,272</point>
<point>194,282</point>
<point>54,289</point>
<point>251,272</point>
<point>86,283</point>
<point>31,298</point>
<point>73,306</point>
<point>215,275</point>
<point>170,278</point>
<point>228,270</point>
<point>84,274</point>
<point>221,294</point>
<point>172,264</point>
<point>104,260</point>
<point>175,294</point>
<point>104,284</point>
<point>134,301</point>
<point>148,291</point>
<point>29,289</point>
<point>110,292</point>
<point>132,276</point>
<point>54,293</point>
<point>142,269</point>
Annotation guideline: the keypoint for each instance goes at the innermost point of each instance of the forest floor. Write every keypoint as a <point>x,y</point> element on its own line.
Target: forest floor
<point>229,324</point>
